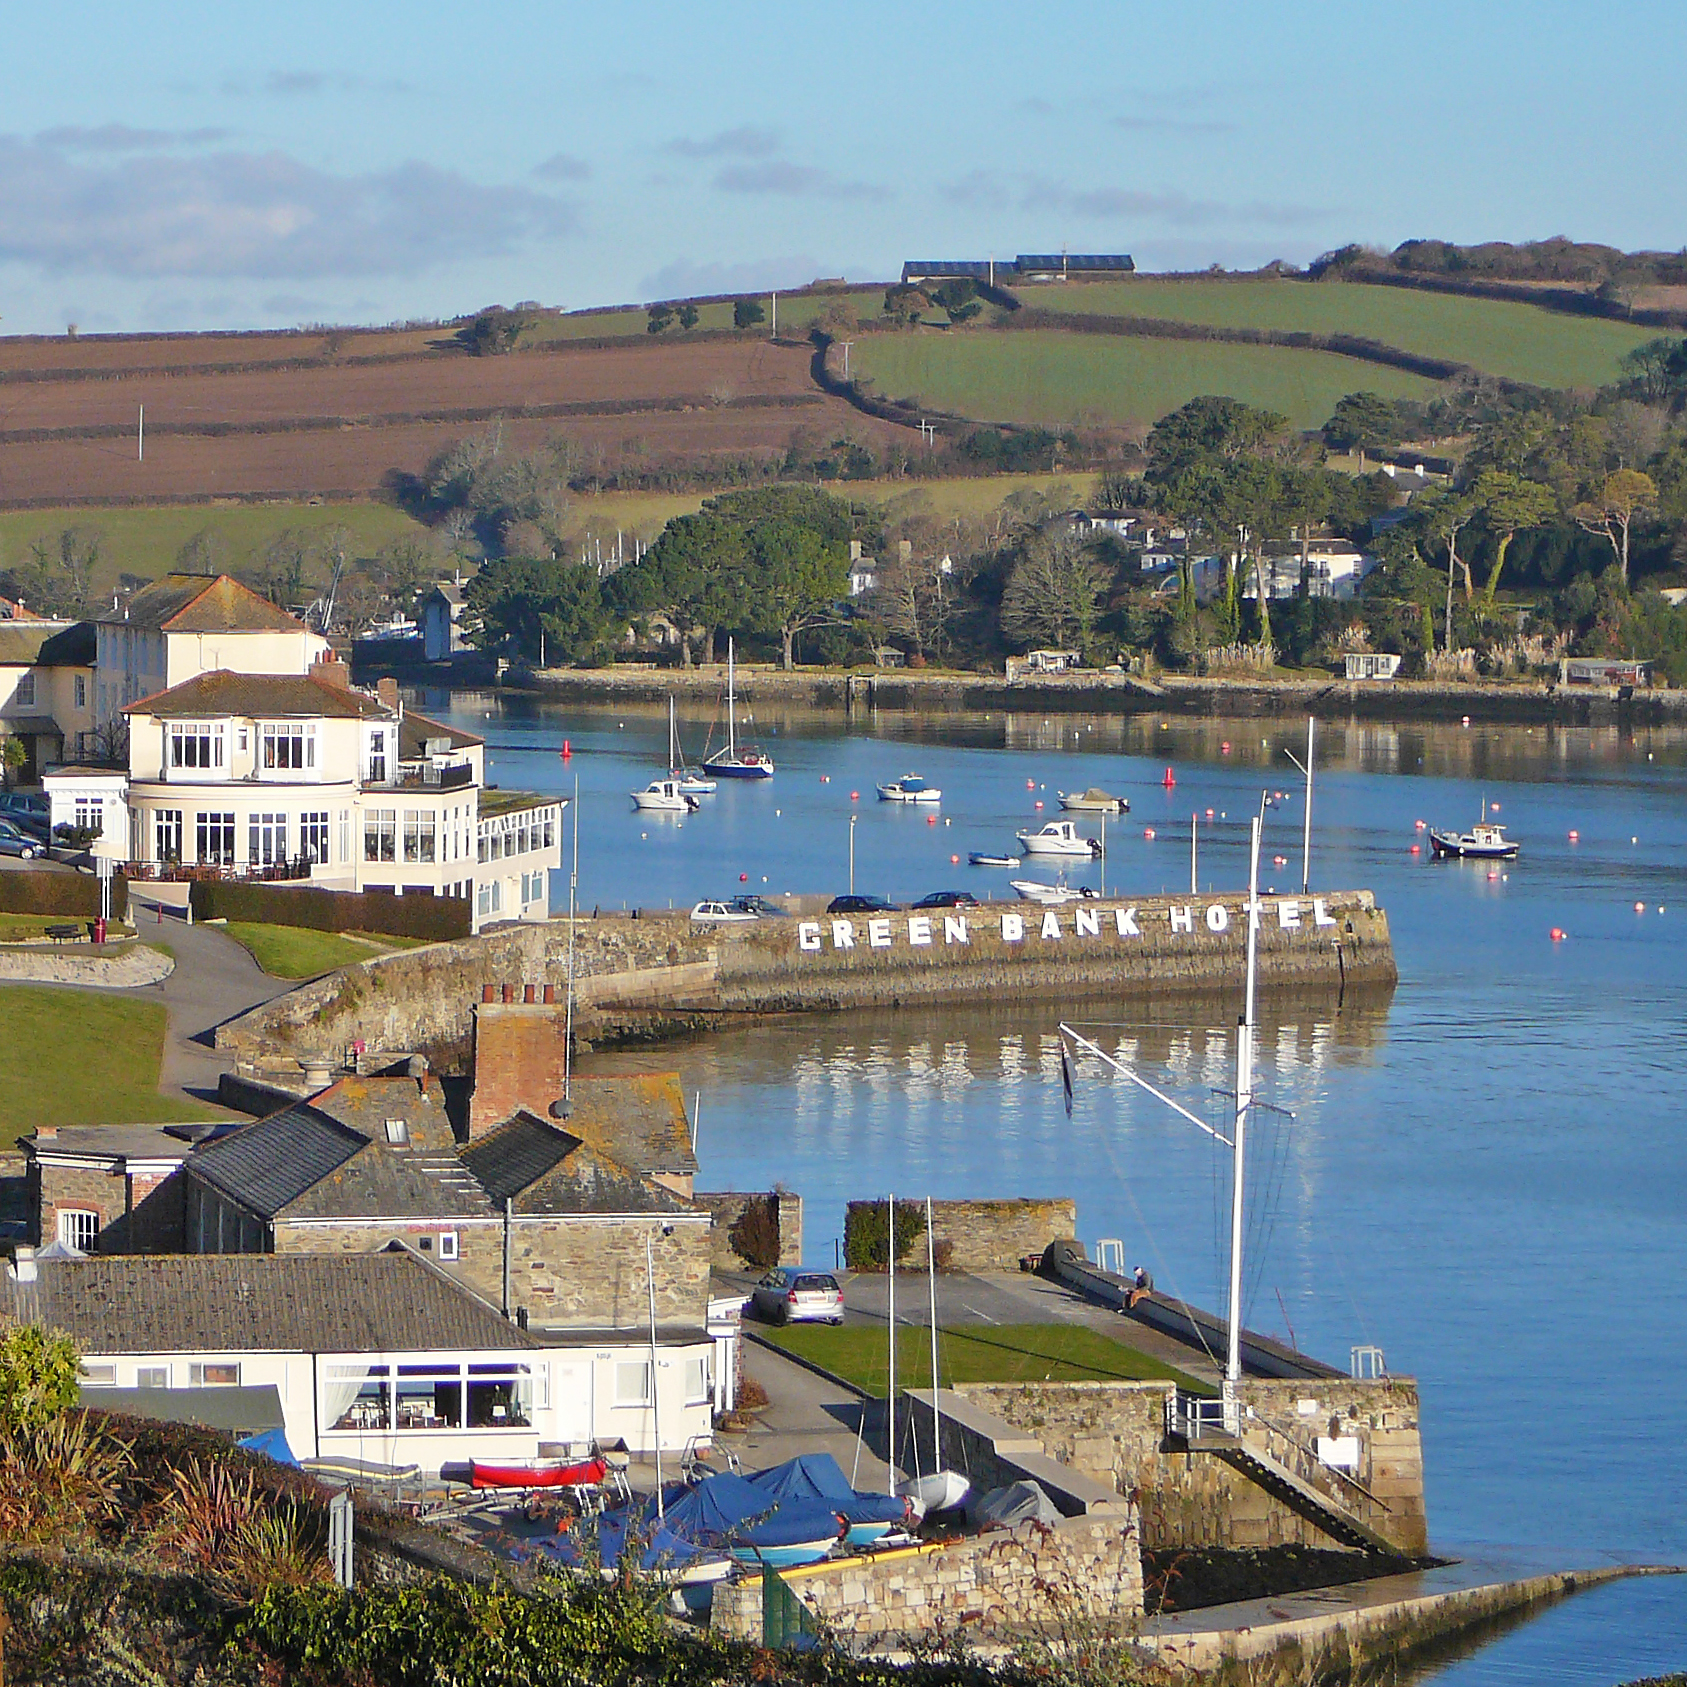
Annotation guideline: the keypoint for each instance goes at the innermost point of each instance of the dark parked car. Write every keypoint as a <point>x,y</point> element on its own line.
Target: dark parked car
<point>860,905</point>
<point>14,841</point>
<point>759,906</point>
<point>947,899</point>
<point>28,812</point>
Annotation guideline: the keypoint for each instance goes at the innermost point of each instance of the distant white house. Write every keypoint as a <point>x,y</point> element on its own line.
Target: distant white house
<point>1042,662</point>
<point>1371,664</point>
<point>440,614</point>
<point>1594,670</point>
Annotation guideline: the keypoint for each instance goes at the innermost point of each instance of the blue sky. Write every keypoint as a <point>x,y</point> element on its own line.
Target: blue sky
<point>236,165</point>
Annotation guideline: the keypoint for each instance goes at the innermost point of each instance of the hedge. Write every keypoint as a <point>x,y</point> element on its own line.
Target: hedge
<point>435,919</point>
<point>866,1224</point>
<point>55,893</point>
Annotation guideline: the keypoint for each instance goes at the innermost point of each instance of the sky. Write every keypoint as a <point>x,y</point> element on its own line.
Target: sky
<point>233,165</point>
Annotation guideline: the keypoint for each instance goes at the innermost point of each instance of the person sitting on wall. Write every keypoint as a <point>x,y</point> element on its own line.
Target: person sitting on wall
<point>1142,1283</point>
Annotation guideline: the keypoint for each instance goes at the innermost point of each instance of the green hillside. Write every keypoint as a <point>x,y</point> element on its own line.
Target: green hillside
<point>1518,341</point>
<point>1059,379</point>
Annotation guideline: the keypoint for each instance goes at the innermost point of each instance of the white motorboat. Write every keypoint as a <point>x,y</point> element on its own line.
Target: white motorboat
<point>1050,896</point>
<point>909,788</point>
<point>734,762</point>
<point>1059,837</point>
<point>1485,841</point>
<point>1094,801</point>
<point>982,858</point>
<point>689,780</point>
<point>722,914</point>
<point>665,796</point>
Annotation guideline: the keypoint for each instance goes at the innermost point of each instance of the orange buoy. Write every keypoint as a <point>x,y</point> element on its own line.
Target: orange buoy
<point>1038,803</point>
<point>743,878</point>
<point>1422,825</point>
<point>1575,837</point>
<point>931,819</point>
<point>1558,934</point>
<point>855,796</point>
<point>1224,748</point>
<point>1030,784</point>
<point>954,860</point>
<point>1417,849</point>
<point>1149,834</point>
<point>1640,907</point>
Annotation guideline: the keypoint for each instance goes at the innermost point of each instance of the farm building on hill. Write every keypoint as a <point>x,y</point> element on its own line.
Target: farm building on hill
<point>1028,266</point>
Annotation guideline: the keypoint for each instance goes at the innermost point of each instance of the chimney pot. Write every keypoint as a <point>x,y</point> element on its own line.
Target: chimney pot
<point>550,994</point>
<point>386,689</point>
<point>528,994</point>
<point>509,992</point>
<point>489,992</point>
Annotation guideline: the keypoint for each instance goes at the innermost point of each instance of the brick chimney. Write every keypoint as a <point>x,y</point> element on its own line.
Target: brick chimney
<point>386,688</point>
<point>518,1062</point>
<point>328,669</point>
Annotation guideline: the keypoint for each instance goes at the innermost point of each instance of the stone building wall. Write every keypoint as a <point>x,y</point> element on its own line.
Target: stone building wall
<point>991,1584</point>
<point>138,1214</point>
<point>1115,1433</point>
<point>726,1206</point>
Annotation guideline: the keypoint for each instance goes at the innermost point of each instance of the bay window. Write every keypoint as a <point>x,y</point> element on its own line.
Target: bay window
<point>288,747</point>
<point>380,834</point>
<point>196,744</point>
<point>418,834</point>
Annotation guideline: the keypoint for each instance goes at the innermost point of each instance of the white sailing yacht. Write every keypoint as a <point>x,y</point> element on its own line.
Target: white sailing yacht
<point>733,762</point>
<point>689,780</point>
<point>941,1490</point>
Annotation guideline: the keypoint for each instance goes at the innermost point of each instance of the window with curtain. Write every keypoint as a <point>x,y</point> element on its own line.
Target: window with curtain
<point>356,1396</point>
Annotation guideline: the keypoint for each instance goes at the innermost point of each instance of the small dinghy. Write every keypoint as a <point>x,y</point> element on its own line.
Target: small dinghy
<point>536,1473</point>
<point>818,1477</point>
<point>981,858</point>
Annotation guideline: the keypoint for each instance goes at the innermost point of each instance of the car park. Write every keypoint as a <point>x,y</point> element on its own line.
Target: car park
<point>947,899</point>
<point>853,904</point>
<point>798,1297</point>
<point>15,841</point>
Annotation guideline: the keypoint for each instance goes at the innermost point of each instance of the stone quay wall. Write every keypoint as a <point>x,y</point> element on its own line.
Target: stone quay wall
<point>1115,1433</point>
<point>658,973</point>
<point>727,1205</point>
<point>987,1585</point>
<point>986,1235</point>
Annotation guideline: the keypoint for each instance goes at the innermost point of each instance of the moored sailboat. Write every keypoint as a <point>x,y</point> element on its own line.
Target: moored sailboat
<point>734,762</point>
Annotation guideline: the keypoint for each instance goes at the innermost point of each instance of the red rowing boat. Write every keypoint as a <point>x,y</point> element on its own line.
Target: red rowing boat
<point>541,1473</point>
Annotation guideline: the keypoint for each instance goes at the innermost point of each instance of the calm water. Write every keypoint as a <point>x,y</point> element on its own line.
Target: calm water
<point>1485,1171</point>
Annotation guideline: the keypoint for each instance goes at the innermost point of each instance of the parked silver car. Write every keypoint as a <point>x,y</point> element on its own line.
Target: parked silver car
<point>798,1297</point>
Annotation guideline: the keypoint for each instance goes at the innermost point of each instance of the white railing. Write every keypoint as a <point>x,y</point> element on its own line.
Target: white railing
<point>1192,1416</point>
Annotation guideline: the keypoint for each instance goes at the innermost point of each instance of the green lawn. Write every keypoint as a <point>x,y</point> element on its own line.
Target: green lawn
<point>1515,340</point>
<point>797,312</point>
<point>300,952</point>
<point>1060,379</point>
<point>81,1057</point>
<point>146,541</point>
<point>979,1353</point>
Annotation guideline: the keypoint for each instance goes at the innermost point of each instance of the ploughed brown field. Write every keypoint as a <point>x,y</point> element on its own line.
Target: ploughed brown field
<point>337,415</point>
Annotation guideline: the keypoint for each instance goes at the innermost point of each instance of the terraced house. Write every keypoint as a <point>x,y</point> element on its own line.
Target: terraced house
<point>250,754</point>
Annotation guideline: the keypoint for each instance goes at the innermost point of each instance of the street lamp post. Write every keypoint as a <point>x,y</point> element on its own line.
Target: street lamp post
<point>852,855</point>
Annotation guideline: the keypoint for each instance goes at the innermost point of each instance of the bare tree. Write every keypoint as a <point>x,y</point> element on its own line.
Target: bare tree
<point>1053,593</point>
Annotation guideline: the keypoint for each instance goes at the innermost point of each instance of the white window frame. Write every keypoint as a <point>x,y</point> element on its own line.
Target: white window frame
<point>196,1377</point>
<point>167,834</point>
<point>98,1375</point>
<point>448,1245</point>
<point>313,836</point>
<point>287,750</point>
<point>152,1376</point>
<point>398,1132</point>
<point>24,696</point>
<point>216,837</point>
<point>703,1394</point>
<point>266,838</point>
<point>195,747</point>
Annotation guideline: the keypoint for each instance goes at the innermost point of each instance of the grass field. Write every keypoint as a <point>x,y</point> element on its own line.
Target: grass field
<point>1514,340</point>
<point>1061,380</point>
<point>146,541</point>
<point>81,1057</point>
<point>299,952</point>
<point>797,312</point>
<point>980,1353</point>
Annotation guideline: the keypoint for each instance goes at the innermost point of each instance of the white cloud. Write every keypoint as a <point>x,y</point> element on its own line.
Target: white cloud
<point>746,141</point>
<point>252,214</point>
<point>983,190</point>
<point>563,167</point>
<point>119,137</point>
<point>685,280</point>
<point>795,181</point>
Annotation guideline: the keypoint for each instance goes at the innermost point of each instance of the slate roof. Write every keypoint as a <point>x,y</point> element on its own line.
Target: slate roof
<point>47,644</point>
<point>257,1303</point>
<point>200,603</point>
<point>545,1170</point>
<point>267,1165</point>
<point>638,1119</point>
<point>261,696</point>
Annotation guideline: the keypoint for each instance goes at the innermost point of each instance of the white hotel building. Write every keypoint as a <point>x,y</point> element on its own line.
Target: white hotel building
<point>268,764</point>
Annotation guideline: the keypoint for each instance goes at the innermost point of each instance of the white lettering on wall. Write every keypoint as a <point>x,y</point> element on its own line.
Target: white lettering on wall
<point>919,930</point>
<point>1319,917</point>
<point>808,935</point>
<point>1218,917</point>
<point>954,930</point>
<point>1183,919</point>
<point>1288,916</point>
<point>1125,920</point>
<point>878,933</point>
<point>1087,922</point>
<point>843,934</point>
<point>1013,927</point>
<point>1051,924</point>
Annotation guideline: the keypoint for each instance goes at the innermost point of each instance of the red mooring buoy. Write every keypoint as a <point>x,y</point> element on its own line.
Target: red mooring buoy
<point>1169,780</point>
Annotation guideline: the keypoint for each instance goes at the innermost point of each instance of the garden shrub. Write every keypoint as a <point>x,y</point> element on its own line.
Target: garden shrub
<point>866,1225</point>
<point>754,1234</point>
<point>40,1372</point>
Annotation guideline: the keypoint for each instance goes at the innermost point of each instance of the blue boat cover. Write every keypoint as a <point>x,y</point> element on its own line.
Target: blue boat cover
<point>818,1476</point>
<point>719,1512</point>
<point>272,1444</point>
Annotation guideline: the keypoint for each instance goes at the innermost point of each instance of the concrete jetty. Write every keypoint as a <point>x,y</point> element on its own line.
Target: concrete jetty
<point>646,973</point>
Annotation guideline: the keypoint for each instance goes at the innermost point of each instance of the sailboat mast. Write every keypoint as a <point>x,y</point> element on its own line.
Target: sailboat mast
<point>673,738</point>
<point>890,1254</point>
<point>931,1281</point>
<point>731,709</point>
<point>1244,1101</point>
